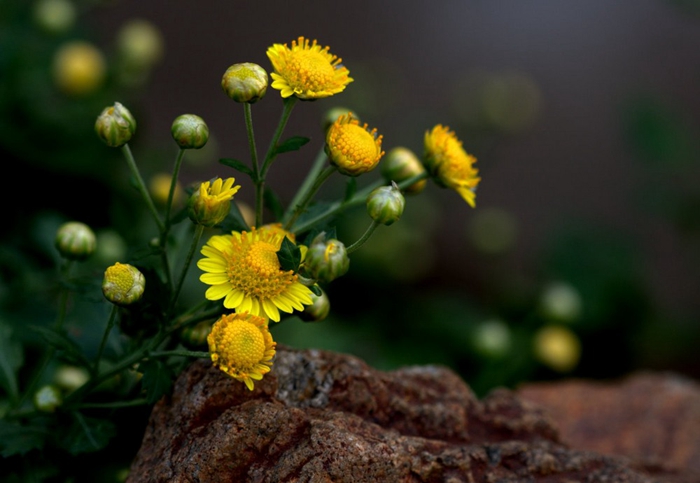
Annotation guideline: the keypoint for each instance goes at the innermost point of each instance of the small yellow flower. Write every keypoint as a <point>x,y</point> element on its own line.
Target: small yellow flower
<point>449,164</point>
<point>210,204</point>
<point>352,148</point>
<point>241,345</point>
<point>123,284</point>
<point>557,347</point>
<point>79,68</point>
<point>159,187</point>
<point>307,70</point>
<point>243,269</point>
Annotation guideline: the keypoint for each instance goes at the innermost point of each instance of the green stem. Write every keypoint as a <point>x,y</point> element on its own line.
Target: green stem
<point>110,324</point>
<point>247,111</point>
<point>306,185</point>
<point>141,186</point>
<point>171,193</point>
<point>178,352</point>
<point>363,238</point>
<point>195,243</point>
<point>269,158</point>
<point>301,205</point>
<point>113,405</point>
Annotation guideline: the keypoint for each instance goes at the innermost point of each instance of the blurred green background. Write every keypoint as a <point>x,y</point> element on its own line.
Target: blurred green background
<point>581,258</point>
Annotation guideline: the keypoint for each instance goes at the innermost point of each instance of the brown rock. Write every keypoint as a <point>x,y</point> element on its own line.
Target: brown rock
<point>326,417</point>
<point>647,416</point>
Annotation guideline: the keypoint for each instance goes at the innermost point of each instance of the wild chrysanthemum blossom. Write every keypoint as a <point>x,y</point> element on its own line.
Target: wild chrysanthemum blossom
<point>210,204</point>
<point>352,148</point>
<point>241,345</point>
<point>243,269</point>
<point>307,70</point>
<point>449,163</point>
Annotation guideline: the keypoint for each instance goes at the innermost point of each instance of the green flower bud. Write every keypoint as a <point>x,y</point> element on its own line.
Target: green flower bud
<point>246,82</point>
<point>318,310</point>
<point>401,164</point>
<point>190,131</point>
<point>492,338</point>
<point>333,114</point>
<point>75,240</point>
<point>47,399</point>
<point>209,205</point>
<point>54,16</point>
<point>70,378</point>
<point>123,284</point>
<point>195,336</point>
<point>560,302</point>
<point>385,204</point>
<point>139,44</point>
<point>115,125</point>
<point>327,260</point>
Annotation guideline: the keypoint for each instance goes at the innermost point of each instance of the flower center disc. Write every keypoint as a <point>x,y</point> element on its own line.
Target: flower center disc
<point>356,143</point>
<point>243,345</point>
<point>262,258</point>
<point>310,70</point>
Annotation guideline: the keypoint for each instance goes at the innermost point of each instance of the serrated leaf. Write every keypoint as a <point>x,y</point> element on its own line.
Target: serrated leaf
<point>350,188</point>
<point>86,434</point>
<point>11,359</point>
<point>16,439</point>
<point>239,166</point>
<point>69,349</point>
<point>292,144</point>
<point>157,379</point>
<point>272,203</point>
<point>289,255</point>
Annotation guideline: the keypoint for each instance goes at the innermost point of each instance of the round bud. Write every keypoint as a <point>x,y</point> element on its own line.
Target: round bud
<point>70,378</point>
<point>115,125</point>
<point>492,338</point>
<point>327,260</point>
<point>560,302</point>
<point>78,68</point>
<point>123,284</point>
<point>401,164</point>
<point>75,240</point>
<point>54,16</point>
<point>385,204</point>
<point>246,82</point>
<point>190,131</point>
<point>47,398</point>
<point>318,310</point>
<point>333,114</point>
<point>195,336</point>
<point>139,44</point>
<point>557,347</point>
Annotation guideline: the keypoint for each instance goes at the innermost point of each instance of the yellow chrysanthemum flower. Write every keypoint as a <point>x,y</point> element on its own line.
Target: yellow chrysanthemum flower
<point>241,345</point>
<point>449,163</point>
<point>243,269</point>
<point>352,148</point>
<point>307,70</point>
<point>211,203</point>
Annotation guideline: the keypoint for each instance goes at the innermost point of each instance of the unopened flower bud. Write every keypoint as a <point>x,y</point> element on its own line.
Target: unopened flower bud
<point>123,284</point>
<point>327,260</point>
<point>401,164</point>
<point>557,347</point>
<point>115,125</point>
<point>560,302</point>
<point>190,131</point>
<point>54,16</point>
<point>139,44</point>
<point>333,114</point>
<point>209,205</point>
<point>385,204</point>
<point>492,338</point>
<point>75,240</point>
<point>71,378</point>
<point>47,398</point>
<point>79,68</point>
<point>195,336</point>
<point>318,310</point>
<point>246,82</point>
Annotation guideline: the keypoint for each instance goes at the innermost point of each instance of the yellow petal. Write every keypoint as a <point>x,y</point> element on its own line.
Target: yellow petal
<point>214,278</point>
<point>271,310</point>
<point>233,299</point>
<point>216,292</point>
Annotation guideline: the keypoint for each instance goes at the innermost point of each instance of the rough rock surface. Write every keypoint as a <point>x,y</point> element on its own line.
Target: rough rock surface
<point>327,417</point>
<point>652,417</point>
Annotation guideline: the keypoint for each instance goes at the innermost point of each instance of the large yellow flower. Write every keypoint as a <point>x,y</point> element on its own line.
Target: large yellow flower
<point>352,148</point>
<point>449,164</point>
<point>241,345</point>
<point>243,269</point>
<point>307,71</point>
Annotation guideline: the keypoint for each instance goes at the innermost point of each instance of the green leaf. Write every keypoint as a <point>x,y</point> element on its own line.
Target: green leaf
<point>157,379</point>
<point>273,204</point>
<point>350,189</point>
<point>86,434</point>
<point>237,165</point>
<point>316,290</point>
<point>17,439</point>
<point>69,349</point>
<point>292,144</point>
<point>11,359</point>
<point>289,255</point>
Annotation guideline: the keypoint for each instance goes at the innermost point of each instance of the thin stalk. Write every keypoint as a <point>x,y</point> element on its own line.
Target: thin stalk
<point>247,111</point>
<point>141,186</point>
<point>361,241</point>
<point>301,205</point>
<point>113,405</point>
<point>308,182</point>
<point>195,242</point>
<point>110,324</point>
<point>171,193</point>
<point>177,352</point>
